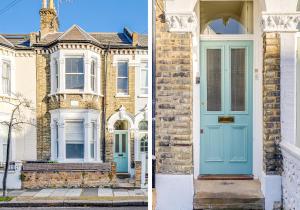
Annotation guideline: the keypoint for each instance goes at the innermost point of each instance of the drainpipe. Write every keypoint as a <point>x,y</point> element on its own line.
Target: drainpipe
<point>104,103</point>
<point>153,91</point>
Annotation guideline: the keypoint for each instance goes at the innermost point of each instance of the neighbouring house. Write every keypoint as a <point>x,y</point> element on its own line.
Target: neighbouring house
<point>227,104</point>
<point>90,93</point>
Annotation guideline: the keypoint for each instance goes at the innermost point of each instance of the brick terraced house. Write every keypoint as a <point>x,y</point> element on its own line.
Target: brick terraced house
<point>227,104</point>
<point>90,95</point>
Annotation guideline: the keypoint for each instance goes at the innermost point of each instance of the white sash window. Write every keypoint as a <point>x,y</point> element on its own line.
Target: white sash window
<point>74,140</point>
<point>122,78</point>
<point>6,78</point>
<point>74,73</point>
<point>144,79</point>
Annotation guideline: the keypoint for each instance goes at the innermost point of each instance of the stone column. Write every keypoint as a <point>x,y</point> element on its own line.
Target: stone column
<point>87,136</point>
<point>62,141</point>
<point>53,140</point>
<point>97,143</point>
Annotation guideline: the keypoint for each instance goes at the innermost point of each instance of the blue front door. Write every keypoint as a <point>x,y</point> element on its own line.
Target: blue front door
<point>121,151</point>
<point>226,107</point>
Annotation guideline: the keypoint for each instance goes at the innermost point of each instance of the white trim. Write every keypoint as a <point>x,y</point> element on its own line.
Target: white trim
<point>256,87</point>
<point>87,56</point>
<point>64,115</point>
<point>122,114</point>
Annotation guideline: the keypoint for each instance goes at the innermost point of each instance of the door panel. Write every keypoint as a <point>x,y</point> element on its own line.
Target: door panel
<point>226,107</point>
<point>121,151</point>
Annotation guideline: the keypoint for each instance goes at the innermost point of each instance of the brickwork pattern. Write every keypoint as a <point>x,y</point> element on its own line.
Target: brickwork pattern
<point>272,157</point>
<point>173,99</point>
<point>138,173</point>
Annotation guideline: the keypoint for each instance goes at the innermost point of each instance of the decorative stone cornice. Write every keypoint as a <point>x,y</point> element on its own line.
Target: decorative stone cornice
<point>280,22</point>
<point>181,22</point>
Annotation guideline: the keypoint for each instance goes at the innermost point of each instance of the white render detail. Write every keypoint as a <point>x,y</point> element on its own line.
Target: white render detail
<point>185,22</point>
<point>59,118</point>
<point>280,22</point>
<point>291,176</point>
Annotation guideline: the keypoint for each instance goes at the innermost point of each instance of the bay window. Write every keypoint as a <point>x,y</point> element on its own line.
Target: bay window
<point>144,79</point>
<point>6,78</point>
<point>74,73</point>
<point>122,78</point>
<point>77,137</point>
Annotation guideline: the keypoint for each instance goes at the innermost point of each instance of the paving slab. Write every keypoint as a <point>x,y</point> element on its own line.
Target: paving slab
<point>73,193</point>
<point>121,193</point>
<point>29,193</point>
<point>15,193</point>
<point>93,192</point>
<point>59,193</point>
<point>105,192</point>
<point>44,193</point>
<point>139,192</point>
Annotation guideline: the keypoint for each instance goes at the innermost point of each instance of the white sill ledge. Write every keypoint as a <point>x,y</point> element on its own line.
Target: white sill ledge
<point>291,149</point>
<point>122,96</point>
<point>7,96</point>
<point>142,96</point>
<point>75,93</point>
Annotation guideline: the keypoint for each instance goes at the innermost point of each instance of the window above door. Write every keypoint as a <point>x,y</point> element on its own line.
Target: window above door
<point>226,17</point>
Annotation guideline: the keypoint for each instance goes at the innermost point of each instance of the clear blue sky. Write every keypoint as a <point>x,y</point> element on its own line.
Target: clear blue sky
<point>91,15</point>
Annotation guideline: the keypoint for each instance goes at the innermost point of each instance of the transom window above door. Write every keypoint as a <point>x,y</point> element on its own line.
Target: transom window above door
<point>226,17</point>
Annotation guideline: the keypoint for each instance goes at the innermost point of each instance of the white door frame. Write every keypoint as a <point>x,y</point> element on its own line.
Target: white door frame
<point>257,89</point>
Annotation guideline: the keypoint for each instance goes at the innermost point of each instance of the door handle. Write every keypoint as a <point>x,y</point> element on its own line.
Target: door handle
<point>226,119</point>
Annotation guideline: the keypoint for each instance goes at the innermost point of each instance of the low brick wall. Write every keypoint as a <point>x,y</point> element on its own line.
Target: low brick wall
<point>67,175</point>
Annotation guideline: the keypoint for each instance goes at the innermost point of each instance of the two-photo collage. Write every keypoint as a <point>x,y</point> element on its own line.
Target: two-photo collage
<point>150,104</point>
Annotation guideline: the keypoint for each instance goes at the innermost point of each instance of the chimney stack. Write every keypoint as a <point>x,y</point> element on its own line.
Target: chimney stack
<point>49,21</point>
<point>135,39</point>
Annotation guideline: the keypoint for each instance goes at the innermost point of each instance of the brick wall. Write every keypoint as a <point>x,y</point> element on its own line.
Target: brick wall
<point>272,157</point>
<point>49,175</point>
<point>173,99</point>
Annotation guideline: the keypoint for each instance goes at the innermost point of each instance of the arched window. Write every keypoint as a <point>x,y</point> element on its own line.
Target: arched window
<point>143,136</point>
<point>222,17</point>
<point>121,125</point>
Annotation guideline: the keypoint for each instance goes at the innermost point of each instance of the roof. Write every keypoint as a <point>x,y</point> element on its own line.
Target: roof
<point>77,35</point>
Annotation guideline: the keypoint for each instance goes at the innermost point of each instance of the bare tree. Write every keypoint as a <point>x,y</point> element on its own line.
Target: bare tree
<point>19,108</point>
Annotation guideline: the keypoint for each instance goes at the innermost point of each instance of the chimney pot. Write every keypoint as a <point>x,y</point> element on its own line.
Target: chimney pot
<point>44,4</point>
<point>51,4</point>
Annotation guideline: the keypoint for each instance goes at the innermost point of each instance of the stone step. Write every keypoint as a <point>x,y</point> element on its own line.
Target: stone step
<point>123,175</point>
<point>228,194</point>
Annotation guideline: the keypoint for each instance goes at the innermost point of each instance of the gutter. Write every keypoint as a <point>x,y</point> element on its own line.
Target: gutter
<point>104,103</point>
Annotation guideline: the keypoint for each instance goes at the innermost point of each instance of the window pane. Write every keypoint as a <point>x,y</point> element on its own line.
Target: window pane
<point>74,65</point>
<point>144,81</point>
<point>6,78</point>
<point>75,81</point>
<point>214,80</point>
<point>123,85</point>
<point>124,143</point>
<point>74,133</point>
<point>143,125</point>
<point>74,151</point>
<point>122,69</point>
<point>238,79</point>
<point>92,151</point>
<point>117,143</point>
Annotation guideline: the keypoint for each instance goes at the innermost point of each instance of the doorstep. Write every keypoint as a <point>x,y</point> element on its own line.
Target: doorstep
<point>228,194</point>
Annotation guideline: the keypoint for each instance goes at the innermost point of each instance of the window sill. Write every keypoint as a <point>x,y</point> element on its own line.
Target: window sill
<point>74,93</point>
<point>7,96</point>
<point>143,96</point>
<point>122,96</point>
<point>78,161</point>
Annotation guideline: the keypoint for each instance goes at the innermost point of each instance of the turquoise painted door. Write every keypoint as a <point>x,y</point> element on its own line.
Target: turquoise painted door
<point>121,151</point>
<point>226,107</point>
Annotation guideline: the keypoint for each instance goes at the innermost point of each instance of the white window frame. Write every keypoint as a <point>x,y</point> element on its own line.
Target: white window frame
<point>83,73</point>
<point>88,56</point>
<point>144,67</point>
<point>93,76</point>
<point>117,77</point>
<point>81,121</point>
<point>63,116</point>
<point>56,63</point>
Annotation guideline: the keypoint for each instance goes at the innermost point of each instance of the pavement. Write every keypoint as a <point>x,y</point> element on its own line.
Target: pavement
<point>78,208</point>
<point>77,197</point>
